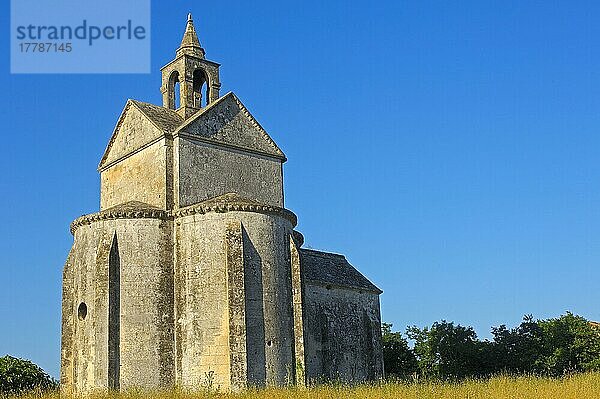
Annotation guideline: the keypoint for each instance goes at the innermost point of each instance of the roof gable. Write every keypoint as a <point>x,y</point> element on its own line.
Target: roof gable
<point>139,124</point>
<point>228,122</point>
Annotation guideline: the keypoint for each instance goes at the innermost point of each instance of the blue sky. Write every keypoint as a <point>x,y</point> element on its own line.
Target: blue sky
<point>448,150</point>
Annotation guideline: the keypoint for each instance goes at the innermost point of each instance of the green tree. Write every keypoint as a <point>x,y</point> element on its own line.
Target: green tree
<point>398,359</point>
<point>447,351</point>
<point>18,376</point>
<point>551,347</point>
<point>518,350</point>
<point>570,344</point>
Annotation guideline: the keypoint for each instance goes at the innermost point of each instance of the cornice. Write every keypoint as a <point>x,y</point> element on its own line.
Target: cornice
<point>196,209</point>
<point>111,214</point>
<point>178,57</point>
<point>226,146</point>
<point>236,206</point>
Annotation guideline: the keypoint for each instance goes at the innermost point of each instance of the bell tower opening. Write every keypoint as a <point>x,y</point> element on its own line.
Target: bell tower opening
<point>174,91</point>
<point>177,91</point>
<point>190,81</point>
<point>200,85</point>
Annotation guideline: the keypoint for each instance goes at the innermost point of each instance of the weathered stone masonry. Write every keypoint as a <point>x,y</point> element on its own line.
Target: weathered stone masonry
<point>191,274</point>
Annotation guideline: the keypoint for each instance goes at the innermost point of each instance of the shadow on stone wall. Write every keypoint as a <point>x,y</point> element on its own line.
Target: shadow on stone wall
<point>255,327</point>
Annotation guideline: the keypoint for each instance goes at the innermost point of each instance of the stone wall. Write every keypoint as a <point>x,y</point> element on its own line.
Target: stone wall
<point>201,307</point>
<point>342,334</point>
<point>269,317</point>
<point>141,177</point>
<point>133,131</point>
<point>298,309</point>
<point>207,334</point>
<point>142,250</point>
<point>220,298</point>
<point>205,171</point>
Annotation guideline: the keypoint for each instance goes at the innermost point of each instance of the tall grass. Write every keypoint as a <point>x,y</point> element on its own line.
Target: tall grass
<point>580,386</point>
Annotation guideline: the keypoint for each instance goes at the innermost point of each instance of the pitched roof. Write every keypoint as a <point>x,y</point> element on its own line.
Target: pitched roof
<point>334,269</point>
<point>164,118</point>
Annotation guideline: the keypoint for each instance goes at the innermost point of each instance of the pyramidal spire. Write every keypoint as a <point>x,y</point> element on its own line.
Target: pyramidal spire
<point>189,43</point>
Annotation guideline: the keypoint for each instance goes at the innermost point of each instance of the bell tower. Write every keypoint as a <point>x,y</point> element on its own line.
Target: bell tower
<point>190,81</point>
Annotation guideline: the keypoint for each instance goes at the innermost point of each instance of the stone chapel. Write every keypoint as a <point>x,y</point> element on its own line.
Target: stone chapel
<point>191,274</point>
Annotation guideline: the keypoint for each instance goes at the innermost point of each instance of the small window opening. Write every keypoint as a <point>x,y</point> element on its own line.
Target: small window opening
<point>269,343</point>
<point>82,311</point>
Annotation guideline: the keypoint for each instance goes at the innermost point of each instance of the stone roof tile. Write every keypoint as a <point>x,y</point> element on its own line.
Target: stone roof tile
<point>334,269</point>
<point>166,119</point>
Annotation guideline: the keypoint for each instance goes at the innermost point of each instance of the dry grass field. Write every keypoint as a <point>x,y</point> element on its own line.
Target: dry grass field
<point>582,386</point>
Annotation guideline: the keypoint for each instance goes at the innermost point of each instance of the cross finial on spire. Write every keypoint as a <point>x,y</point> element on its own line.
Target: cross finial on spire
<point>189,43</point>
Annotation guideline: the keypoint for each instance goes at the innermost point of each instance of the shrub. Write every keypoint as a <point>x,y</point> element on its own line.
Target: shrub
<point>18,376</point>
